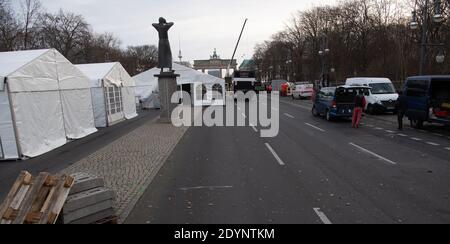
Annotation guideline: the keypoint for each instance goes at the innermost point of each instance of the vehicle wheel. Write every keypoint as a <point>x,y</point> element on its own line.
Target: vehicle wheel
<point>328,116</point>
<point>416,123</point>
<point>314,112</point>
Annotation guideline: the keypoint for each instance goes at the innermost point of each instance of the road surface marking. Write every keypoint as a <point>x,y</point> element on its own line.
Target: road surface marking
<point>437,134</point>
<point>402,135</point>
<point>315,127</point>
<point>448,148</point>
<point>275,155</point>
<point>433,144</point>
<point>254,128</point>
<point>290,116</point>
<point>204,187</point>
<point>371,125</point>
<point>389,131</point>
<point>373,154</point>
<point>416,139</point>
<point>295,105</point>
<point>322,216</point>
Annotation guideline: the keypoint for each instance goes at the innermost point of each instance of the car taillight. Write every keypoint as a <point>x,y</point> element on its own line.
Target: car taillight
<point>334,104</point>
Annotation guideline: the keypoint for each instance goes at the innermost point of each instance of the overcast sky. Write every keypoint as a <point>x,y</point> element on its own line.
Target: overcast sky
<point>201,25</point>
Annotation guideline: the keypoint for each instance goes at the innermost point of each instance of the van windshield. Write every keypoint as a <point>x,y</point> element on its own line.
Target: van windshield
<point>382,88</point>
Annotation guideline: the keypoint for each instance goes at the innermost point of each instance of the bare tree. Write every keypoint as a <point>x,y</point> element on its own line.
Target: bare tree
<point>9,27</point>
<point>30,13</point>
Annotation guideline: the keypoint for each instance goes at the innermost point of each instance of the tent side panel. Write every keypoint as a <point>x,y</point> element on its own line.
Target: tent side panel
<point>78,113</point>
<point>76,98</point>
<point>8,143</point>
<point>129,102</point>
<point>39,122</point>
<point>98,102</point>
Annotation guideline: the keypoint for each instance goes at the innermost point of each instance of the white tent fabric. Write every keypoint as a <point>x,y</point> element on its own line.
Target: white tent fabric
<point>45,101</point>
<point>104,75</point>
<point>147,83</point>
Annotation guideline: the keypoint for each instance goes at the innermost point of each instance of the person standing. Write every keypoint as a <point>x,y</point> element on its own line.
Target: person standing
<point>401,110</point>
<point>360,104</point>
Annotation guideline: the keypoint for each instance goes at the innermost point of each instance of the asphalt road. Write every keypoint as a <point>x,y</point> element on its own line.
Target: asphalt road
<point>63,157</point>
<point>314,171</point>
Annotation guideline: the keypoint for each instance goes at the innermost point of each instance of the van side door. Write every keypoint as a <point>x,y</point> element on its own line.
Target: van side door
<point>417,99</point>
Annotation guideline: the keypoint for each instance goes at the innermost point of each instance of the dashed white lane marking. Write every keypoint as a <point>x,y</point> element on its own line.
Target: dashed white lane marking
<point>315,127</point>
<point>295,105</point>
<point>373,154</point>
<point>279,160</point>
<point>433,144</point>
<point>322,216</point>
<point>416,139</point>
<point>378,128</point>
<point>290,116</point>
<point>447,148</point>
<point>204,187</point>
<point>437,134</point>
<point>402,135</point>
<point>254,128</point>
<point>389,131</point>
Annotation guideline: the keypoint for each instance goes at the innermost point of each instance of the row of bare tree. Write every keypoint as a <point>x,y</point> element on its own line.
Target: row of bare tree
<point>33,28</point>
<point>362,37</point>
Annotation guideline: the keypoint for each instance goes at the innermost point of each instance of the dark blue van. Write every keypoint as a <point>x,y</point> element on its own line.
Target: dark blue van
<point>427,99</point>
<point>337,102</point>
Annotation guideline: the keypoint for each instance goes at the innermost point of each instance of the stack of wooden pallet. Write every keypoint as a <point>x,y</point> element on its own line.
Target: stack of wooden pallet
<point>35,200</point>
<point>89,202</point>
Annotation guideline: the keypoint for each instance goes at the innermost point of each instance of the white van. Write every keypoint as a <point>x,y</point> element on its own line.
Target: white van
<point>383,96</point>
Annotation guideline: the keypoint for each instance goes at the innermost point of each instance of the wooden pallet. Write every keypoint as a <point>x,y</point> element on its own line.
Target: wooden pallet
<point>35,200</point>
<point>113,220</point>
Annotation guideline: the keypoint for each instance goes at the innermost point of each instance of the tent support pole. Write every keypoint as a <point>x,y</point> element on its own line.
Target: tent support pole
<point>13,118</point>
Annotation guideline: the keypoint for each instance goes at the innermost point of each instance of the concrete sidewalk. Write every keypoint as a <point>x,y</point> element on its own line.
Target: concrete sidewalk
<point>129,164</point>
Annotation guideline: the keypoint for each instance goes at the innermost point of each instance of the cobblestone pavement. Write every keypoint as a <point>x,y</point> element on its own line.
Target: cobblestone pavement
<point>129,163</point>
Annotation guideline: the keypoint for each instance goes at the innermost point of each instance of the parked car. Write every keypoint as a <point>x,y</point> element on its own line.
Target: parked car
<point>277,85</point>
<point>302,90</point>
<point>382,97</point>
<point>427,99</point>
<point>337,102</point>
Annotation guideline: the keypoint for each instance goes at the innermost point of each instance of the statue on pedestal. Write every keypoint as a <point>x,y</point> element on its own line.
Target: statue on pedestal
<point>164,51</point>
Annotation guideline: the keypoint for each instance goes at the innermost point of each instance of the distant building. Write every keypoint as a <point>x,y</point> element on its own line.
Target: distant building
<point>248,65</point>
<point>215,66</point>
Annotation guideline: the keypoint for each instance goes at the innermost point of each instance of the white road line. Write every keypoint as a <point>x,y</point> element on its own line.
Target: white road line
<point>275,155</point>
<point>322,216</point>
<point>433,144</point>
<point>416,139</point>
<point>447,148</point>
<point>254,128</point>
<point>378,128</point>
<point>204,187</point>
<point>315,127</point>
<point>373,154</point>
<point>290,116</point>
<point>389,131</point>
<point>402,135</point>
<point>295,105</point>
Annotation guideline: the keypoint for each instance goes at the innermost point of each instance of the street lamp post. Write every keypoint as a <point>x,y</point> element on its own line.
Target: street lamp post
<point>323,53</point>
<point>438,17</point>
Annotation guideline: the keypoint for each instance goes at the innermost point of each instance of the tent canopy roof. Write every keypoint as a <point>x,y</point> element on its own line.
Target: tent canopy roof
<point>96,71</point>
<point>12,61</point>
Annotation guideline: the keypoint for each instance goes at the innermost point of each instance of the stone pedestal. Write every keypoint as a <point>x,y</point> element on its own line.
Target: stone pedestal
<point>167,82</point>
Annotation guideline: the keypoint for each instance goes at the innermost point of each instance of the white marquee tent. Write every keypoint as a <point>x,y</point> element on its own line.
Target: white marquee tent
<point>44,101</point>
<point>147,85</point>
<point>112,91</point>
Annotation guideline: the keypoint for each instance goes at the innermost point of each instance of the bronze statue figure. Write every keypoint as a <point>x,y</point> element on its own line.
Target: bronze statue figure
<point>164,51</point>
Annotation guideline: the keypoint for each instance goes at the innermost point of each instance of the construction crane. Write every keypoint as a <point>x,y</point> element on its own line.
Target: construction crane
<point>228,78</point>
